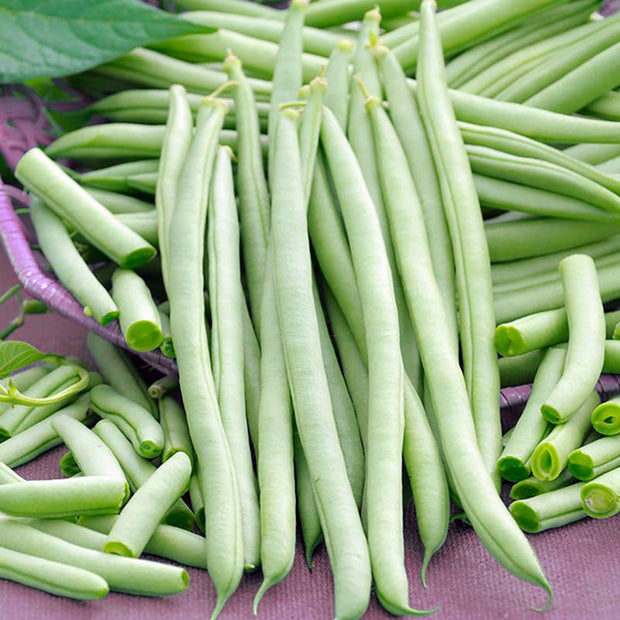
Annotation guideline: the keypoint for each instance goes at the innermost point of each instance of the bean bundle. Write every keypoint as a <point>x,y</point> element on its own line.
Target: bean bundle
<point>325,261</point>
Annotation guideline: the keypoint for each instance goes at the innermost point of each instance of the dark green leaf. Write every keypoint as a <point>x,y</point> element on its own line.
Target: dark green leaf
<point>15,354</point>
<point>52,38</point>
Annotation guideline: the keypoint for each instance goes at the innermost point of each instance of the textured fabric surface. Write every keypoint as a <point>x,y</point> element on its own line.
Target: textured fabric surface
<point>582,560</point>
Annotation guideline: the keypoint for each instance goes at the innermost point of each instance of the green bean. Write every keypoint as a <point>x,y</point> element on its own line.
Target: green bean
<point>315,41</point>
<point>586,322</point>
<point>252,188</point>
<point>49,576</point>
<point>582,85</point>
<point>335,12</point>
<point>92,455</point>
<point>167,541</point>
<point>473,276</point>
<point>196,501</point>
<point>549,510</point>
<point>516,144</point>
<point>145,182</point>
<point>307,381</point>
<point>69,201</point>
<point>275,447</point>
<point>500,194</point>
<point>122,574</point>
<point>611,167</point>
<point>499,76</point>
<point>513,463</point>
<point>139,518</point>
<point>119,372</point>
<point>235,7</point>
<point>115,178</point>
<point>226,299</point>
<point>287,76</point>
<point>167,345</point>
<point>139,318</point>
<point>163,386</point>
<point>537,265</point>
<point>337,76</point>
<point>562,62</point>
<point>138,469</point>
<point>469,472</point>
<point>41,436</point>
<point>540,174</point>
<point>150,68</point>
<point>593,153</point>
<point>531,122</point>
<point>606,106</point>
<point>519,369</point>
<point>257,55</point>
<point>20,417</point>
<point>405,114</point>
<point>544,236</point>
<point>136,423</point>
<point>484,55</point>
<point>471,23</point>
<point>8,476</point>
<point>63,498</point>
<point>551,455</point>
<point>596,458</point>
<point>69,467</point>
<point>187,312</point>
<point>175,144</point>
<point>174,425</point>
<point>606,417</point>
<point>532,486</point>
<point>251,374</point>
<point>406,217</point>
<point>600,498</point>
<point>143,224</point>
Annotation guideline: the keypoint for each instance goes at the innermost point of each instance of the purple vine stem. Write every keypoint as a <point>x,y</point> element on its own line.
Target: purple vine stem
<point>50,292</point>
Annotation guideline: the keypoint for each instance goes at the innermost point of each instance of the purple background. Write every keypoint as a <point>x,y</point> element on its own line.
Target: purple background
<point>582,560</point>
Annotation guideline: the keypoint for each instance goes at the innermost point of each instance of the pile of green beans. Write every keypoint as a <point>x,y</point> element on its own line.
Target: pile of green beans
<point>346,263</point>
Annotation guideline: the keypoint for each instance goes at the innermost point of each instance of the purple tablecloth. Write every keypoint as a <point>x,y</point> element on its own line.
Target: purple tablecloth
<point>582,561</point>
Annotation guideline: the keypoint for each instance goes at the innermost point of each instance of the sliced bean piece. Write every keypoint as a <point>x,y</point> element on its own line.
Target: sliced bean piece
<point>119,203</point>
<point>519,369</point>
<point>174,424</point>
<point>601,497</point>
<point>532,486</point>
<point>606,417</point>
<point>596,458</point>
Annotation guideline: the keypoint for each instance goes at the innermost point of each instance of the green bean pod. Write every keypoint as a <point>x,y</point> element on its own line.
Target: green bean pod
<point>196,502</point>
<point>69,201</point>
<point>532,486</point>
<point>49,576</point>
<point>596,458</point>
<point>252,188</point>
<point>607,106</point>
<point>145,509</point>
<point>600,498</point>
<point>187,317</point>
<point>551,454</point>
<point>114,178</point>
<point>138,470</point>
<point>251,375</point>
<point>549,510</point>
<point>226,299</point>
<point>472,481</point>
<point>162,387</point>
<point>92,455</point>
<point>122,574</point>
<point>307,381</point>
<point>137,424</point>
<point>586,341</point>
<point>174,424</point>
<point>119,372</point>
<point>337,76</point>
<point>118,203</point>
<point>606,417</point>
<point>139,318</point>
<point>63,498</point>
<point>69,266</point>
<point>167,541</point>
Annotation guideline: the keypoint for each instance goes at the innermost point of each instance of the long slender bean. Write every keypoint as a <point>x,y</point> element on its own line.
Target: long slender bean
<point>122,574</point>
<point>307,381</point>
<point>337,76</point>
<point>138,470</point>
<point>187,312</point>
<point>586,341</point>
<point>251,375</point>
<point>226,299</point>
<point>473,483</point>
<point>119,372</point>
<point>606,107</point>
<point>174,424</point>
<point>519,369</point>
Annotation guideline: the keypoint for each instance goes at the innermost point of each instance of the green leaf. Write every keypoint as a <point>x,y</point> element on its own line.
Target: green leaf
<point>15,354</point>
<point>53,38</point>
